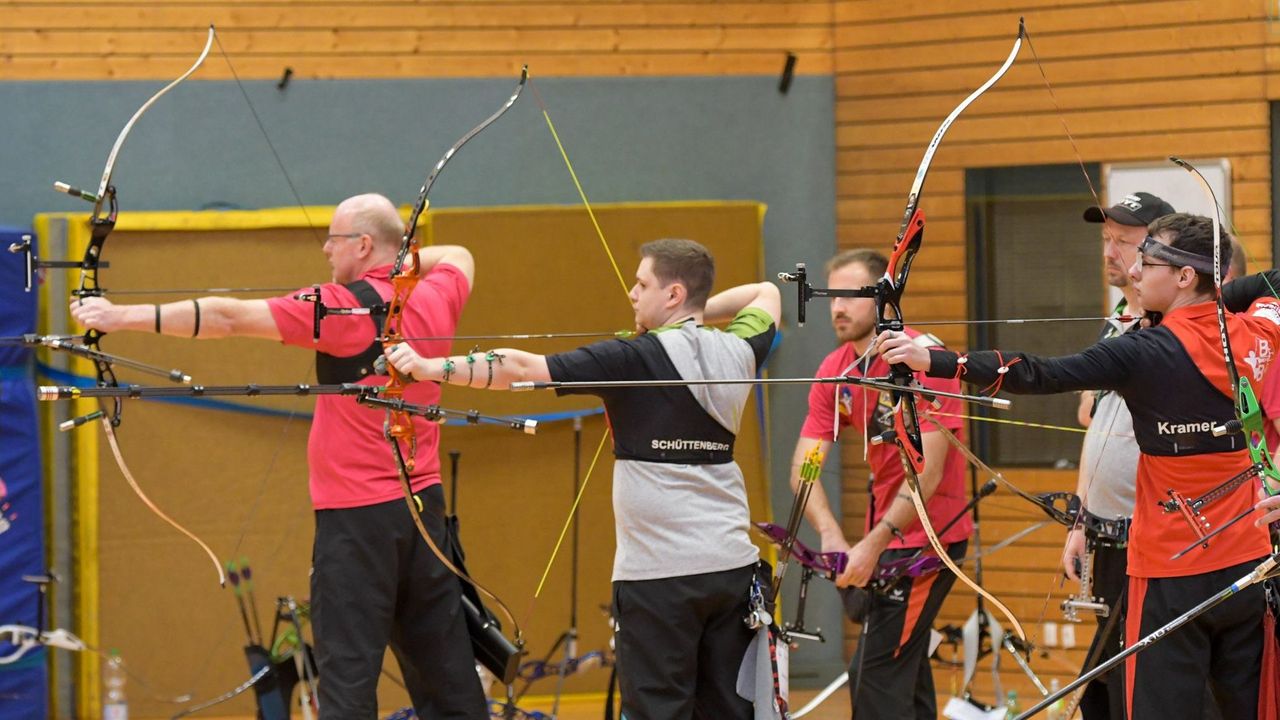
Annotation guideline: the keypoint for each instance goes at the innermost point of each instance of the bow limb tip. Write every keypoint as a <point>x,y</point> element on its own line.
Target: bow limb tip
<point>75,192</point>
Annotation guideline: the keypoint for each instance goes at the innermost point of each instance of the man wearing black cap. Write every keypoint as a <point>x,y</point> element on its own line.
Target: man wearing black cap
<point>1124,225</point>
<point>1109,458</point>
<point>1173,379</point>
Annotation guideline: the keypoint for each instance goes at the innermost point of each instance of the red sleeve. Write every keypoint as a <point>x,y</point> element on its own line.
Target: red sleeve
<point>1267,310</point>
<point>451,285</point>
<point>819,424</point>
<point>340,335</point>
<point>347,335</point>
<point>1269,396</point>
<point>1269,392</point>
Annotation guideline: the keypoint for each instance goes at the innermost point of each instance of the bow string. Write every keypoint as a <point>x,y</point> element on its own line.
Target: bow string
<point>622,283</point>
<point>1249,419</point>
<point>889,290</point>
<point>101,222</point>
<point>398,427</point>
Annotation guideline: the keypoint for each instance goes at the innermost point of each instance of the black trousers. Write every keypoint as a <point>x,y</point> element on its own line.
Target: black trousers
<point>890,676</point>
<point>1222,646</point>
<point>680,642</point>
<point>1103,699</point>
<point>375,583</point>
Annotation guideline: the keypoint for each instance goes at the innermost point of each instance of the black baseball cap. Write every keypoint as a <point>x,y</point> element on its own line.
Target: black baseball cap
<point>1138,210</point>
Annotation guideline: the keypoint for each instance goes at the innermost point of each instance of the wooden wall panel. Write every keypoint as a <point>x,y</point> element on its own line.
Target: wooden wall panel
<point>321,39</point>
<point>1128,90</point>
<point>1134,81</point>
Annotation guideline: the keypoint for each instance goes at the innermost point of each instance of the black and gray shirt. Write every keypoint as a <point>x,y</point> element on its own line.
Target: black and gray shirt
<point>679,499</point>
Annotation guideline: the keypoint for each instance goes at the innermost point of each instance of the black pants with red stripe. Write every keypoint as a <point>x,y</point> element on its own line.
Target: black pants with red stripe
<point>1223,647</point>
<point>896,680</point>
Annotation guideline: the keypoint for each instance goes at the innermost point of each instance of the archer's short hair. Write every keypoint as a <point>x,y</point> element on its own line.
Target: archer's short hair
<point>686,262</point>
<point>873,261</point>
<point>1194,234</point>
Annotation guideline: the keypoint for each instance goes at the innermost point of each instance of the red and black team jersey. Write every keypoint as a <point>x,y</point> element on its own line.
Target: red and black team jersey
<point>1174,381</point>
<point>870,412</point>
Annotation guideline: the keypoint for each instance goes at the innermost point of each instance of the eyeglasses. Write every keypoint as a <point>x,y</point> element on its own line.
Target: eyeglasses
<point>1144,265</point>
<point>331,236</point>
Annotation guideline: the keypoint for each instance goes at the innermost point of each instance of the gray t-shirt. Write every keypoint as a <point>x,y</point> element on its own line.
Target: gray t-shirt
<point>679,499</point>
<point>1109,459</point>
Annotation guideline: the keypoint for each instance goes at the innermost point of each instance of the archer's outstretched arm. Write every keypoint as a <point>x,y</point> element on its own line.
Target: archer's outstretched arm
<point>492,370</point>
<point>1106,365</point>
<point>206,318</point>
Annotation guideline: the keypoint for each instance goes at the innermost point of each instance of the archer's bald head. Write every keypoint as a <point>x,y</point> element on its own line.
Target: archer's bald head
<point>376,215</point>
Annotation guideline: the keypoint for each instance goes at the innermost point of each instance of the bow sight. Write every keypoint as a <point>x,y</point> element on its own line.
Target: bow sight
<point>806,292</point>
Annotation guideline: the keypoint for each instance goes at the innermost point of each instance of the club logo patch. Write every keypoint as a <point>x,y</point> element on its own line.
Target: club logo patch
<point>1259,358</point>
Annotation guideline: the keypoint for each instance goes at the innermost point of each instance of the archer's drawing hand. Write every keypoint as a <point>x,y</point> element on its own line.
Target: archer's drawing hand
<point>863,559</point>
<point>896,348</point>
<point>1073,554</point>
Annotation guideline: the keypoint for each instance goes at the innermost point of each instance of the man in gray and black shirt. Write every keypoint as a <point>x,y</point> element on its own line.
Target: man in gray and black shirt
<point>685,563</point>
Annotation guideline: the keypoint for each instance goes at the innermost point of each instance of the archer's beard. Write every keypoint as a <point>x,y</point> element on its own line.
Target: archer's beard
<point>850,330</point>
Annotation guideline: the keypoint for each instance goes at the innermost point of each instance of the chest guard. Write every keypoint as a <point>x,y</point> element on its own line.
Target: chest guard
<point>331,369</point>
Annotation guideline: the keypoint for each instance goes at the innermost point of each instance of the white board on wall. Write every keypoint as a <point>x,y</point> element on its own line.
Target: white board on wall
<point>1177,186</point>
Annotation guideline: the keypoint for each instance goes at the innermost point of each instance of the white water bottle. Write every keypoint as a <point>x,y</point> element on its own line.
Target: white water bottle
<point>1058,707</point>
<point>114,704</point>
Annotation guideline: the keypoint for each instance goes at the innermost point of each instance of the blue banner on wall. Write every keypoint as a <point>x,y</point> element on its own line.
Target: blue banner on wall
<point>24,690</point>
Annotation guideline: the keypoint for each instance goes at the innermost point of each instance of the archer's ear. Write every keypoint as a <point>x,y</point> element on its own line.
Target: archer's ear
<point>676,295</point>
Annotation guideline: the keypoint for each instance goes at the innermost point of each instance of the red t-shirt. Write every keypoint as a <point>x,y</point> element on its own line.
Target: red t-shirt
<point>859,406</point>
<point>350,461</point>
